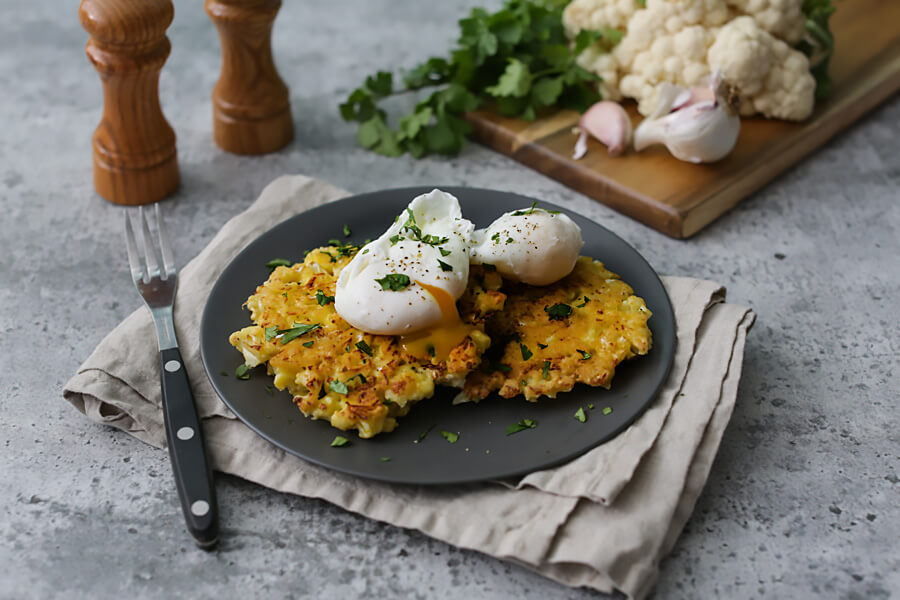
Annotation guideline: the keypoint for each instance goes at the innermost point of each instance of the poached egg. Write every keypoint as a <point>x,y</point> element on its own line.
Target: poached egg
<point>407,281</point>
<point>531,245</point>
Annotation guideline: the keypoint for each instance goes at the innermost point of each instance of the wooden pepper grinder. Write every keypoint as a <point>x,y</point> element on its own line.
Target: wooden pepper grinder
<point>134,145</point>
<point>251,105</point>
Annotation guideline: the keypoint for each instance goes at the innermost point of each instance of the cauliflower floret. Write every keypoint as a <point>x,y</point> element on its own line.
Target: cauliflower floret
<point>599,61</point>
<point>773,78</point>
<point>667,42</point>
<point>598,14</point>
<point>782,18</point>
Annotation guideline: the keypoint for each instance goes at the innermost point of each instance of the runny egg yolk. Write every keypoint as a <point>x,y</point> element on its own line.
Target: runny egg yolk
<point>437,341</point>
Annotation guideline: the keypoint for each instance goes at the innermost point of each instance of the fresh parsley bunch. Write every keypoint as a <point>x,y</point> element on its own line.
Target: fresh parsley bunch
<point>518,58</point>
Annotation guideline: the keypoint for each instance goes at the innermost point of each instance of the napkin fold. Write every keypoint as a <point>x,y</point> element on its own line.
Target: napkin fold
<point>603,520</point>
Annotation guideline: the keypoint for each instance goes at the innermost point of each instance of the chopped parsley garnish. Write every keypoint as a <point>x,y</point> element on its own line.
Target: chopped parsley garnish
<point>449,436</point>
<point>278,262</point>
<point>329,255</point>
<point>309,343</point>
<point>242,372</point>
<point>395,238</point>
<point>541,346</point>
<point>387,401</point>
<point>444,266</point>
<point>394,282</point>
<point>284,294</point>
<point>385,459</point>
<point>346,230</point>
<point>526,211</point>
<point>423,434</point>
<point>288,335</point>
<point>338,387</point>
<point>430,349</point>
<point>579,415</point>
<point>488,267</point>
<point>360,376</point>
<point>271,332</point>
<point>584,355</point>
<point>583,304</point>
<point>334,242</point>
<point>496,238</point>
<point>558,311</point>
<point>322,299</point>
<point>526,353</point>
<point>545,373</point>
<point>270,390</point>
<point>364,348</point>
<point>339,441</point>
<point>509,240</point>
<point>607,410</point>
<point>521,426</point>
<point>444,252</point>
<point>501,367</point>
<point>591,406</point>
<point>412,230</point>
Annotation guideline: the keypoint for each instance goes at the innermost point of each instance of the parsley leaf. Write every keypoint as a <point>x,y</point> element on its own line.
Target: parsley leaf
<point>526,211</point>
<point>515,80</point>
<point>394,282</point>
<point>526,353</point>
<point>541,346</point>
<point>242,372</point>
<point>558,311</point>
<point>339,441</point>
<point>449,436</point>
<point>424,434</point>
<point>444,252</point>
<point>309,343</point>
<point>385,459</point>
<point>584,355</point>
<point>289,335</point>
<point>364,348</point>
<point>338,387</point>
<point>579,415</point>
<point>583,304</point>
<point>545,372</point>
<point>521,426</point>
<point>322,299</point>
<point>607,410</point>
<point>271,332</point>
<point>444,266</point>
<point>346,230</point>
<point>278,262</point>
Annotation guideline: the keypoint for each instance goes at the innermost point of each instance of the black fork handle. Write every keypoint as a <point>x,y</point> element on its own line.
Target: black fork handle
<point>193,476</point>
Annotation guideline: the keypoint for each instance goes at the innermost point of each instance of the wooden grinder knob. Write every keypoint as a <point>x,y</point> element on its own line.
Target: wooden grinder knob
<point>134,145</point>
<point>251,105</point>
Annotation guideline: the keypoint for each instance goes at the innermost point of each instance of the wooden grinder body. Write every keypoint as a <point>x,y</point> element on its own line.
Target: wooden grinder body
<point>134,146</point>
<point>251,103</point>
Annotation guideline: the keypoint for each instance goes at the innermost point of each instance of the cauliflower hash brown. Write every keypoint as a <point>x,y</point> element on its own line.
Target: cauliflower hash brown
<point>547,339</point>
<point>353,379</point>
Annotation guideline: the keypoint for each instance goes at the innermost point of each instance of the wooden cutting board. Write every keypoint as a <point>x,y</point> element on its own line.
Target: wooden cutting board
<point>679,198</point>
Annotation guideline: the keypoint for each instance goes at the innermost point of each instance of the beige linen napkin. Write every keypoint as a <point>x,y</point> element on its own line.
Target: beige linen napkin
<point>604,520</point>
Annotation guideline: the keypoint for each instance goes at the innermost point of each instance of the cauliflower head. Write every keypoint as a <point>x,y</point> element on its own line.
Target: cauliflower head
<point>684,41</point>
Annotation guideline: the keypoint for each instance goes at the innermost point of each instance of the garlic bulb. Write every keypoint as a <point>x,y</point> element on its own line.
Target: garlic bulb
<point>696,125</point>
<point>609,123</point>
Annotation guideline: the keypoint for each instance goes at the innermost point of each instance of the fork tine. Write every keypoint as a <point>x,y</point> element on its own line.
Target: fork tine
<point>131,246</point>
<point>168,259</point>
<point>151,253</point>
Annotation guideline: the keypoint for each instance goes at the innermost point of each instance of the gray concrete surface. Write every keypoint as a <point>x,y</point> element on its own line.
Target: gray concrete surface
<point>803,498</point>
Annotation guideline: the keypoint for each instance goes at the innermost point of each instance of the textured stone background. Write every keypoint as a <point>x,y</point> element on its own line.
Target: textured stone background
<point>803,499</point>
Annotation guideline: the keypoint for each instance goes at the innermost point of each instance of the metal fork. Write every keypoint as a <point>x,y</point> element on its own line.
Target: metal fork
<point>156,279</point>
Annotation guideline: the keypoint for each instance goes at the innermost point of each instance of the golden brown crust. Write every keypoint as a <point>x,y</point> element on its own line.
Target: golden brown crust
<point>597,324</point>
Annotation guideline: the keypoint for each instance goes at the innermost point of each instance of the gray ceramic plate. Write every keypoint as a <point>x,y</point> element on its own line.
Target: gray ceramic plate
<point>483,451</point>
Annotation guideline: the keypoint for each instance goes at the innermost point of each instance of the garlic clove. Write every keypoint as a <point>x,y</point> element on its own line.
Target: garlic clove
<point>701,127</point>
<point>609,123</point>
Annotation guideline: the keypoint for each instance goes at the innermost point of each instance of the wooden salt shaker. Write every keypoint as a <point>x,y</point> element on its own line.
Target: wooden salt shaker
<point>134,145</point>
<point>251,105</point>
